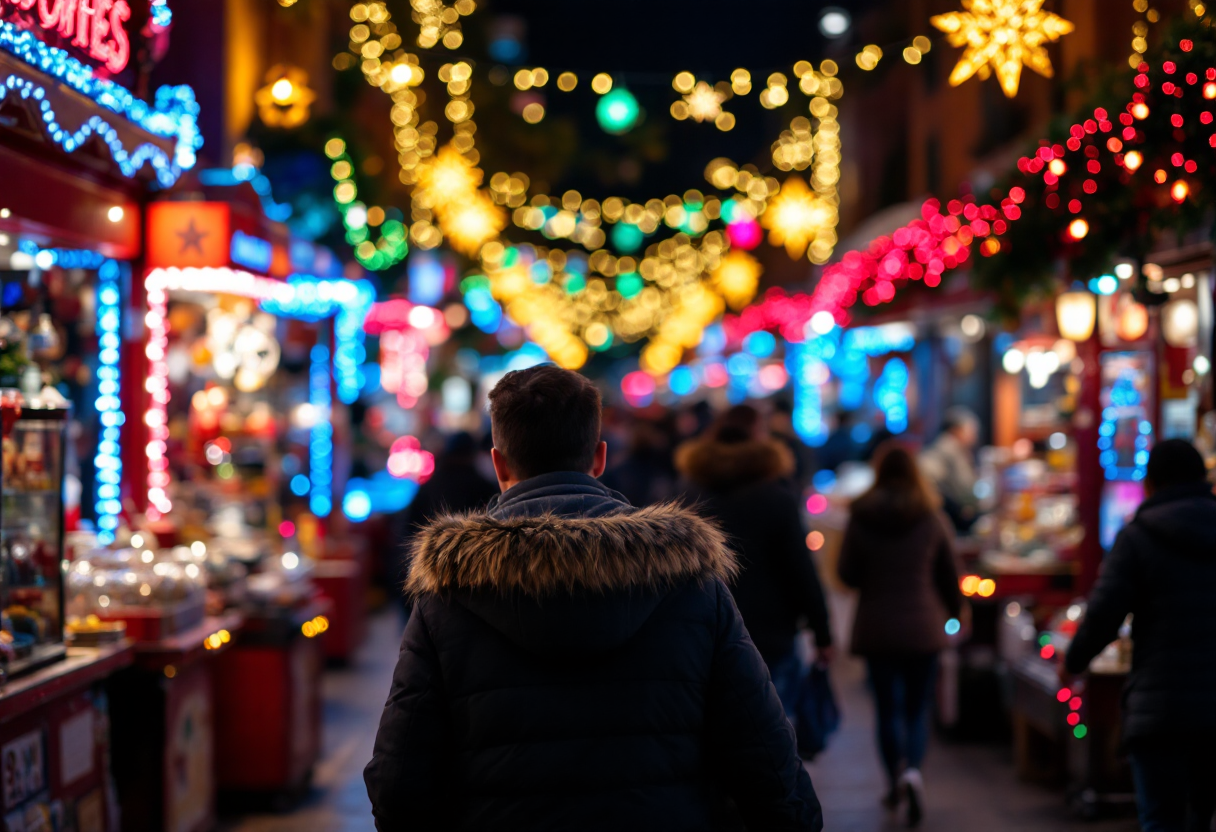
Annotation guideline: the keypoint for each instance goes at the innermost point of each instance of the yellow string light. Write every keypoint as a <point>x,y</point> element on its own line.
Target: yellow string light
<point>668,295</point>
<point>1001,36</point>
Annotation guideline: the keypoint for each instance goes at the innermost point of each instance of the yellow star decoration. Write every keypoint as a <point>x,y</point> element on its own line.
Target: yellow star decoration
<point>799,217</point>
<point>1000,36</point>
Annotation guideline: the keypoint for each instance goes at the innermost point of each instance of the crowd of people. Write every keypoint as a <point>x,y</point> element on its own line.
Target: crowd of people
<point>617,645</point>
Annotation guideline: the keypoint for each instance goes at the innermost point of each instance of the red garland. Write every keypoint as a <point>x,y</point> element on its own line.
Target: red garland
<point>925,248</point>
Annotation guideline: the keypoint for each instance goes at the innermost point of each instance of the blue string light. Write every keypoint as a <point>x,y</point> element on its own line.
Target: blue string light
<point>321,439</point>
<point>108,460</point>
<point>174,114</point>
<point>1125,403</point>
<point>804,363</point>
<point>227,177</point>
<point>891,394</point>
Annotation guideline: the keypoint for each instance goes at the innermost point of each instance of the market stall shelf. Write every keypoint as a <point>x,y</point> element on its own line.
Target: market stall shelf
<point>164,708</point>
<point>55,743</point>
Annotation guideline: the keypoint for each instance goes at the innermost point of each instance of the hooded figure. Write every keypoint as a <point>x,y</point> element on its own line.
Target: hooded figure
<point>574,662</point>
<point>1162,571</point>
<point>740,478</point>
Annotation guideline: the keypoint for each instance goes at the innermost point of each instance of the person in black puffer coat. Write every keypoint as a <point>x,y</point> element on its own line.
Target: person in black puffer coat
<point>574,662</point>
<point>1162,570</point>
<point>739,476</point>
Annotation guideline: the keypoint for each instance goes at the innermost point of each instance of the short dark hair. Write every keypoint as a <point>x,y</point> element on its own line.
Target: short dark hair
<point>545,419</point>
<point>1175,462</point>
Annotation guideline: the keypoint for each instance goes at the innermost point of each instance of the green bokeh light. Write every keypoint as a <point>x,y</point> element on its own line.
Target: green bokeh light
<point>617,111</point>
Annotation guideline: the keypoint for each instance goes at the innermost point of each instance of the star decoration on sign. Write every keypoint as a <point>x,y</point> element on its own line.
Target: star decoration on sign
<point>192,238</point>
<point>1001,36</point>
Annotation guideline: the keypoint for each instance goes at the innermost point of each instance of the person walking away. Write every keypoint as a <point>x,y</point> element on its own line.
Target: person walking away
<point>949,463</point>
<point>455,486</point>
<point>1162,571</point>
<point>739,476</point>
<point>574,662</point>
<point>645,476</point>
<point>898,552</point>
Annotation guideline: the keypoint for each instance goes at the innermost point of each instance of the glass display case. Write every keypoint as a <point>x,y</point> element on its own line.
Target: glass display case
<point>31,534</point>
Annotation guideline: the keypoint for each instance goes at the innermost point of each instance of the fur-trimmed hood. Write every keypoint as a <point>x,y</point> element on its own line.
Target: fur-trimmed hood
<point>576,571</point>
<point>548,554</point>
<point>722,466</point>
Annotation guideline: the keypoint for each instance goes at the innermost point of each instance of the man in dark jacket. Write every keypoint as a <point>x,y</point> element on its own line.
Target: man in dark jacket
<point>1162,570</point>
<point>575,663</point>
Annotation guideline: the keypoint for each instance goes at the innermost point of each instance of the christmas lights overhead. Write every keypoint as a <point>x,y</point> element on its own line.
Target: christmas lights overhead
<point>1001,36</point>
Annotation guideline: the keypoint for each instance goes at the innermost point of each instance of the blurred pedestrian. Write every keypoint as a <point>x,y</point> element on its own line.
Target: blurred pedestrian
<point>898,551</point>
<point>949,463</point>
<point>646,475</point>
<point>1162,571</point>
<point>738,476</point>
<point>574,662</point>
<point>456,486</point>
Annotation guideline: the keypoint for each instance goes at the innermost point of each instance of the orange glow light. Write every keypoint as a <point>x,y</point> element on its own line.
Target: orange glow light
<point>1078,228</point>
<point>986,588</point>
<point>1179,190</point>
<point>1133,160</point>
<point>1057,167</point>
<point>1140,110</point>
<point>970,585</point>
<point>814,541</point>
<point>1159,177</point>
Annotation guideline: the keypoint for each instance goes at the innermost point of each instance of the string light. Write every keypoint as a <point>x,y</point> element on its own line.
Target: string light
<point>1001,36</point>
<point>321,435</point>
<point>302,297</point>
<point>108,459</point>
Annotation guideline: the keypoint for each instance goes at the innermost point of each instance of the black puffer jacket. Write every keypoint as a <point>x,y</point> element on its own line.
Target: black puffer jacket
<point>574,663</point>
<point>743,486</point>
<point>1162,570</point>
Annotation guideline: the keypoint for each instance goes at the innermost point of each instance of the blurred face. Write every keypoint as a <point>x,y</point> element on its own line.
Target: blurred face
<point>968,434</point>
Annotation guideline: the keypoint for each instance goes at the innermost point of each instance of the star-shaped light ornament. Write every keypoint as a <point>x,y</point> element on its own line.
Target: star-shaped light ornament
<point>1001,36</point>
<point>798,217</point>
<point>702,102</point>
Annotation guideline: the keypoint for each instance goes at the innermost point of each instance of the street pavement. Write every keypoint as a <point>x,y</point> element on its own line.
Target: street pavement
<point>970,787</point>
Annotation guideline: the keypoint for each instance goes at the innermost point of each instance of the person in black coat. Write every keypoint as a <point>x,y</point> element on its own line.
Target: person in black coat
<point>740,478</point>
<point>574,662</point>
<point>1162,571</point>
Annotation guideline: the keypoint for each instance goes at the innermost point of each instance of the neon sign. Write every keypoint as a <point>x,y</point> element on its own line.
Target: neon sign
<point>251,252</point>
<point>96,27</point>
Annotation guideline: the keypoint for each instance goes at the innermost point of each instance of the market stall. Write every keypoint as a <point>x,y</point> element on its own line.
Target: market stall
<point>78,152</point>
<point>244,364</point>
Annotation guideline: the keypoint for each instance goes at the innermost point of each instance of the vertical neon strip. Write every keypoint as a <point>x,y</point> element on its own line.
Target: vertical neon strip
<point>108,461</point>
<point>349,350</point>
<point>321,440</point>
<point>803,363</point>
<point>156,417</point>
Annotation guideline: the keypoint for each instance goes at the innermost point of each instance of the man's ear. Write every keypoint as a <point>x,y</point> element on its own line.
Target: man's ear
<point>601,459</point>
<point>501,469</point>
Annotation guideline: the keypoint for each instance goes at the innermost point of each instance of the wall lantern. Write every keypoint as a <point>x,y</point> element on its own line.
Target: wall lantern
<point>1076,313</point>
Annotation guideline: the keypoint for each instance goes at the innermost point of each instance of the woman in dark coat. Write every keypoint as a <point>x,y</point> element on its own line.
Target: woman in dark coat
<point>739,477</point>
<point>899,552</point>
